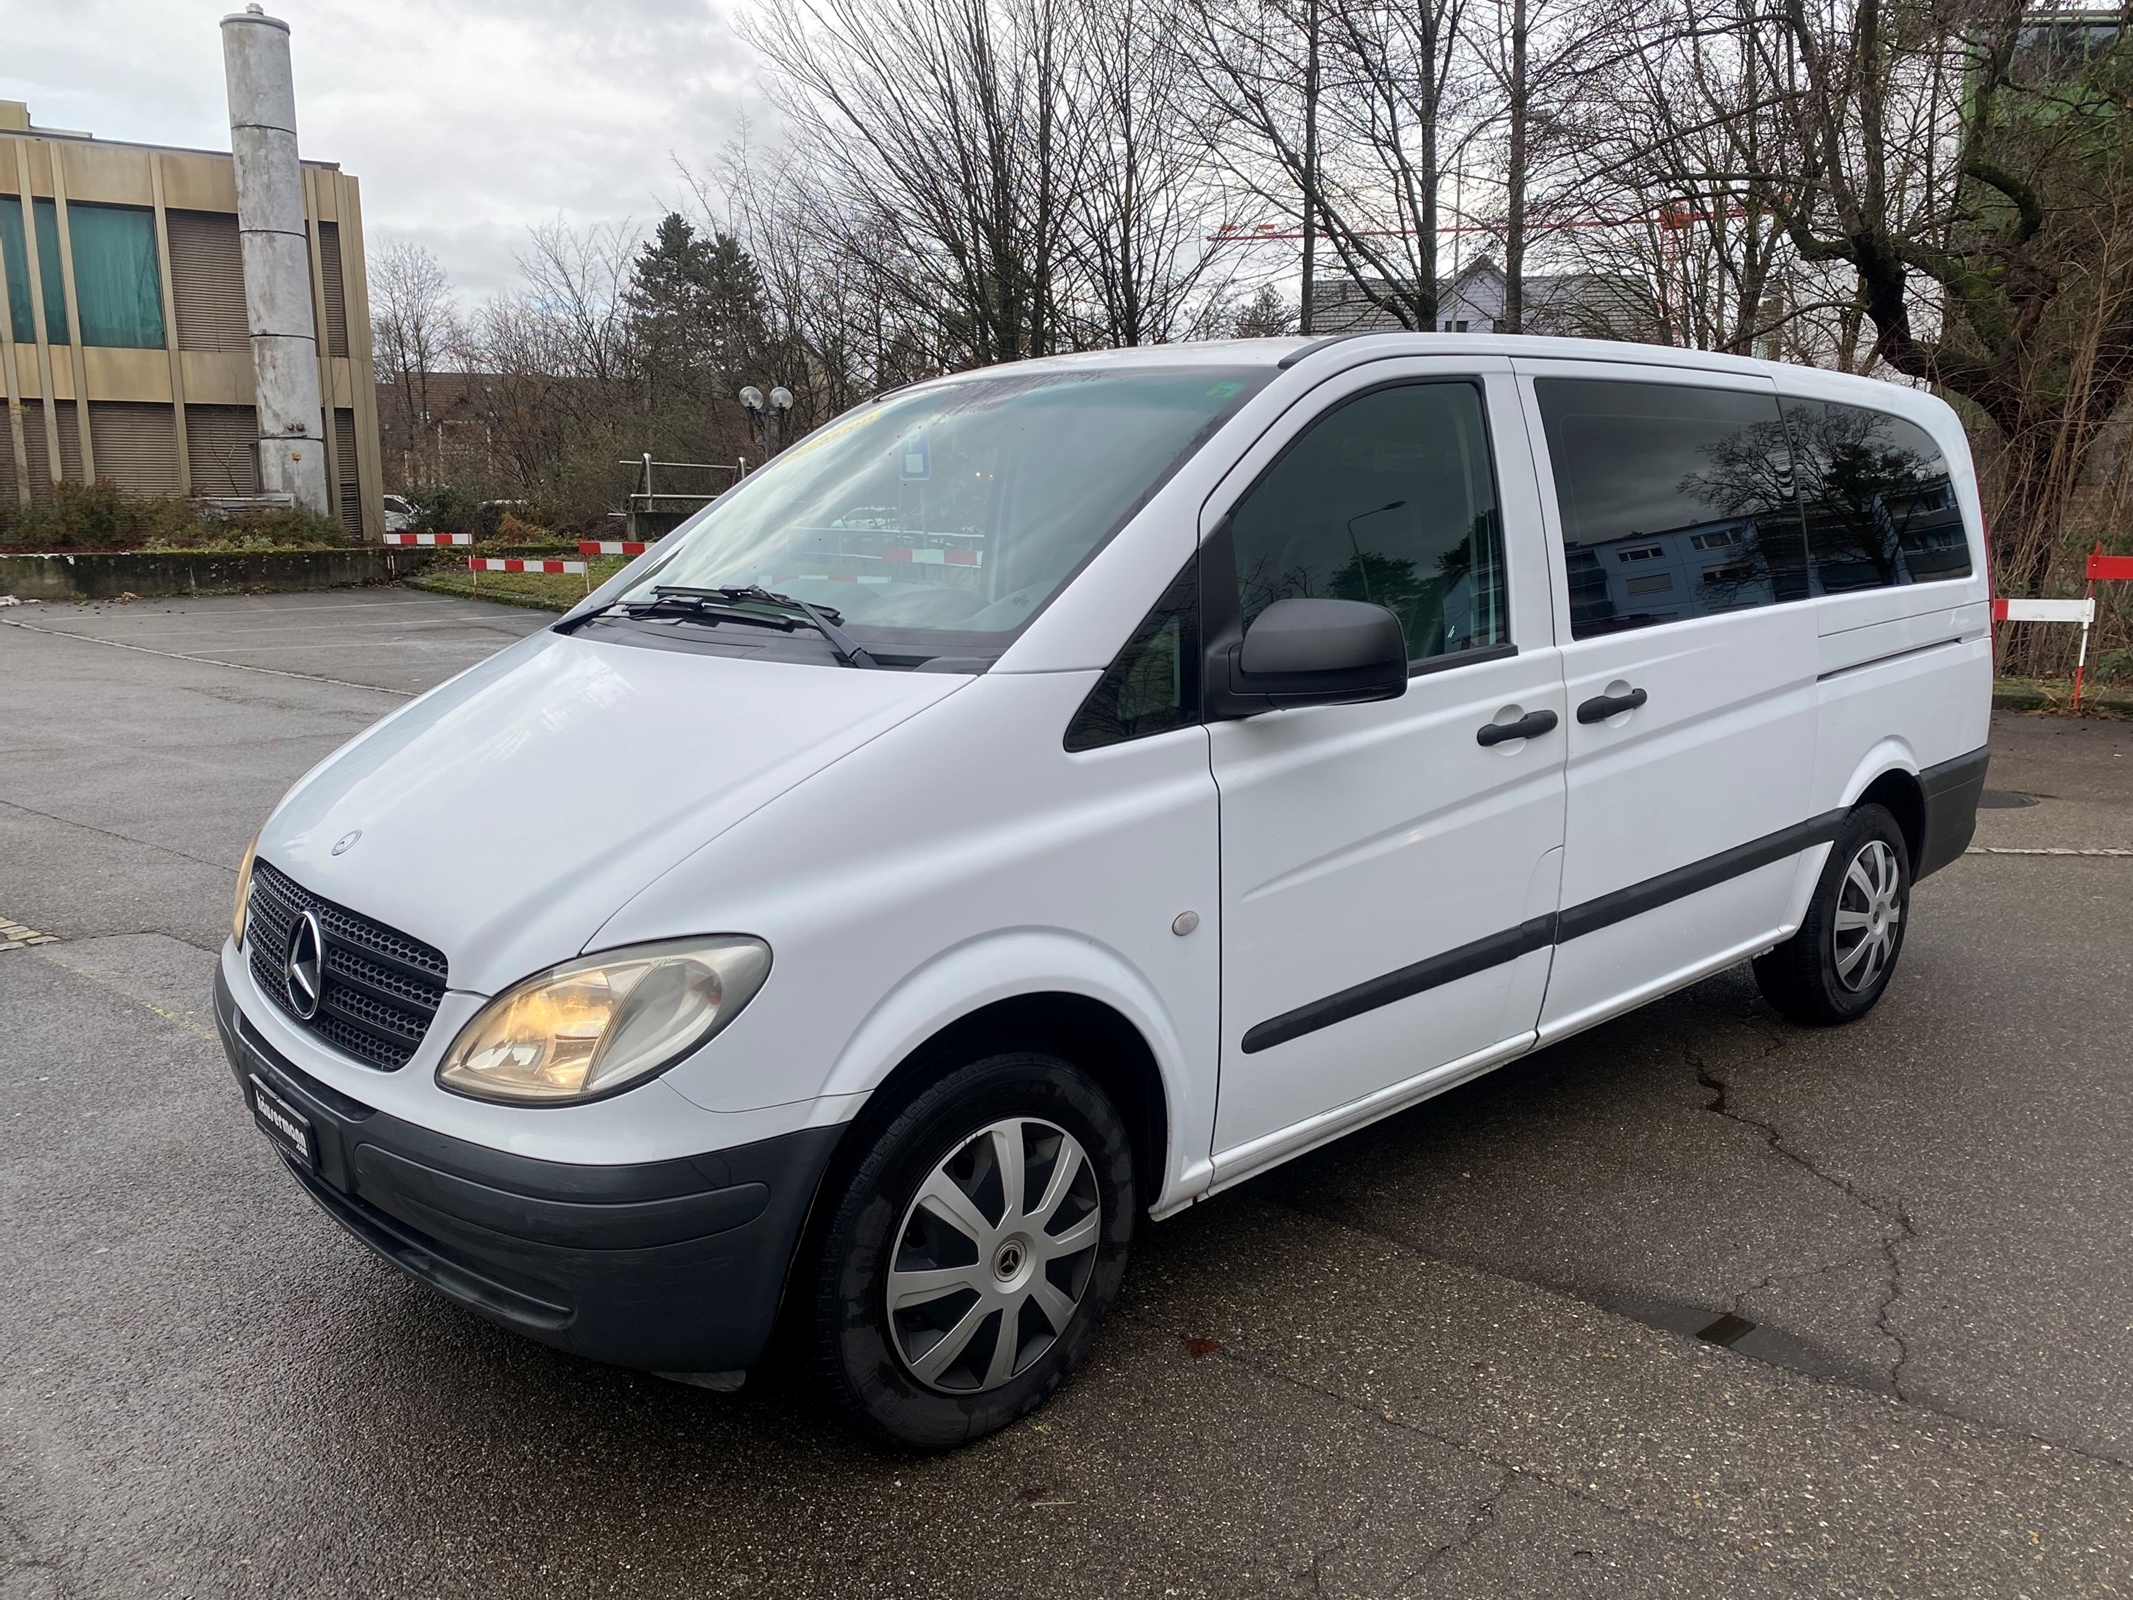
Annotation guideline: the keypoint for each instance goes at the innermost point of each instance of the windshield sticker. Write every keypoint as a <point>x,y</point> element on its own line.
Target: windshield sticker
<point>915,459</point>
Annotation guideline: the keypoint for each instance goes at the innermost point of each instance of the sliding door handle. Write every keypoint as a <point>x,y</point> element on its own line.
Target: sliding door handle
<point>1602,706</point>
<point>1531,725</point>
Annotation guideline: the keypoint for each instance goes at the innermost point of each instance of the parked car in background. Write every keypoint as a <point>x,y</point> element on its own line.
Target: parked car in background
<point>1050,795</point>
<point>400,514</point>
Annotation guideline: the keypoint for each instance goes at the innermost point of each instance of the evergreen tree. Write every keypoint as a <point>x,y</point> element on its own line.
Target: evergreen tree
<point>697,312</point>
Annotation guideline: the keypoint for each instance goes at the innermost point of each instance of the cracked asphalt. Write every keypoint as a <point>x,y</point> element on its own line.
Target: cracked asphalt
<point>1454,1355</point>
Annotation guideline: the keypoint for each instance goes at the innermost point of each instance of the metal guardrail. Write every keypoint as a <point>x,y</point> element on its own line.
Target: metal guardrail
<point>648,497</point>
<point>654,510</point>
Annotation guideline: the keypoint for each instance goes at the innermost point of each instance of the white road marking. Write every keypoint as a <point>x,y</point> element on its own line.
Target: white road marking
<point>205,661</point>
<point>2041,850</point>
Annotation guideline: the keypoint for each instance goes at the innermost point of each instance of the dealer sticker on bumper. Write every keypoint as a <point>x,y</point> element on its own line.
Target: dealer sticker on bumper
<point>288,1127</point>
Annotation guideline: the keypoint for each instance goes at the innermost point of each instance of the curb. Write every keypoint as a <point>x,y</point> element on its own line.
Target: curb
<point>524,602</point>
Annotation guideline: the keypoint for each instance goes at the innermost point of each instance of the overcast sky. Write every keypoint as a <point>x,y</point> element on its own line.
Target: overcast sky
<point>466,120</point>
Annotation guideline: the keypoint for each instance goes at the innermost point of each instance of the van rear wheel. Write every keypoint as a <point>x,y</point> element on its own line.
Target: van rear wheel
<point>1837,966</point>
<point>969,1254</point>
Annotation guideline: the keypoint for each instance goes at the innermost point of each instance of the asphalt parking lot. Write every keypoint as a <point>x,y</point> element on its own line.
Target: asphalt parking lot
<point>1454,1355</point>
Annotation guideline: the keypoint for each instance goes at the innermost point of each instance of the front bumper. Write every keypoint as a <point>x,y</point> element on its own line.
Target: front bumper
<point>674,1266</point>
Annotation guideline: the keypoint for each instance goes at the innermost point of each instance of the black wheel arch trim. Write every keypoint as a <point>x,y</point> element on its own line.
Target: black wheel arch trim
<point>1951,790</point>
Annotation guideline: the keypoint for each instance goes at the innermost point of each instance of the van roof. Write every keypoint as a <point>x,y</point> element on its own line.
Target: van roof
<point>1342,349</point>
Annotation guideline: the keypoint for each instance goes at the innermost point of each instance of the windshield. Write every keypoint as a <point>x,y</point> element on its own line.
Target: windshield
<point>941,521</point>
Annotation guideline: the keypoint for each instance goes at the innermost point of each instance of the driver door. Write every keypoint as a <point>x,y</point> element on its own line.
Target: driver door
<point>1389,870</point>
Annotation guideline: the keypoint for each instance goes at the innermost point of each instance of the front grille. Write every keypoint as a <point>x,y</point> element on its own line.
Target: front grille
<point>380,988</point>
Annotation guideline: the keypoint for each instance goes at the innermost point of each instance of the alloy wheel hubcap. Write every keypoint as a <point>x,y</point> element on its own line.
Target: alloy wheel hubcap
<point>1869,916</point>
<point>993,1255</point>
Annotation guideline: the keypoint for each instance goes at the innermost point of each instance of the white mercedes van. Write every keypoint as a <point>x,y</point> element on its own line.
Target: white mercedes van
<point>1049,795</point>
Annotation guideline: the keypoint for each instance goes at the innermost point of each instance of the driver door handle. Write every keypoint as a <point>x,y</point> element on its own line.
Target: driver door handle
<point>1529,726</point>
<point>1602,706</point>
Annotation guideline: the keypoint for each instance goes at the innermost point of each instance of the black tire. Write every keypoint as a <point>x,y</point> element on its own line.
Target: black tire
<point>1827,974</point>
<point>871,1223</point>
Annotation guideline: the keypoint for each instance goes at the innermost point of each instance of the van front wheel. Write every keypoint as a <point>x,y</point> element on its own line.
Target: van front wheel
<point>1836,967</point>
<point>969,1254</point>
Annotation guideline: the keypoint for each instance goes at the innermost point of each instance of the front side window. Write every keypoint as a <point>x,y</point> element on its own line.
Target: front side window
<point>1879,502</point>
<point>939,522</point>
<point>1390,498</point>
<point>1676,502</point>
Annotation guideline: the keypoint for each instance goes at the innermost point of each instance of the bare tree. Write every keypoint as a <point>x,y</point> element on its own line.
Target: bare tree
<point>415,331</point>
<point>839,326</point>
<point>1551,62</point>
<point>576,280</point>
<point>943,126</point>
<point>1345,117</point>
<point>1140,210</point>
<point>1964,163</point>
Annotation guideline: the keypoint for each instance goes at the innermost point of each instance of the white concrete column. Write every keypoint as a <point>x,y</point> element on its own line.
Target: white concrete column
<point>277,265</point>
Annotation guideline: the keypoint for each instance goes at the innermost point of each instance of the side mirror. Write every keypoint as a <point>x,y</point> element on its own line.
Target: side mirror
<point>1313,653</point>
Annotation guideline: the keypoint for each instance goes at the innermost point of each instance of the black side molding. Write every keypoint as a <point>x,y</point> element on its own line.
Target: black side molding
<point>1537,933</point>
<point>1951,789</point>
<point>1622,904</point>
<point>1463,962</point>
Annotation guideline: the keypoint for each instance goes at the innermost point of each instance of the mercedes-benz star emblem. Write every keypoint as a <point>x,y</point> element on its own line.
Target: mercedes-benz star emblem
<point>303,974</point>
<point>341,845</point>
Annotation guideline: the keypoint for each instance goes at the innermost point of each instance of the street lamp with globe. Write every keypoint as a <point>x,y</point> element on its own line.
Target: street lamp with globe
<point>765,414</point>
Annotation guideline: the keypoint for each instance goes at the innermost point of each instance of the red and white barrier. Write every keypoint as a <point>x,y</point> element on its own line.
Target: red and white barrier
<point>955,557</point>
<point>2020,610</point>
<point>2109,568</point>
<point>613,547</point>
<point>480,564</point>
<point>2101,569</point>
<point>429,538</point>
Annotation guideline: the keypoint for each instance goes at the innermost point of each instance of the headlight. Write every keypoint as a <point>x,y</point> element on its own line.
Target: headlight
<point>598,1024</point>
<point>244,889</point>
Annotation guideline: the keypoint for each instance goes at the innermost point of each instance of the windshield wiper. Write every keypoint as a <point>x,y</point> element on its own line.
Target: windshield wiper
<point>849,651</point>
<point>690,607</point>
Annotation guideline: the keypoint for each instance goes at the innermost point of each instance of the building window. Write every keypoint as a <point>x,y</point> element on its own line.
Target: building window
<point>115,288</point>
<point>117,296</point>
<point>16,248</point>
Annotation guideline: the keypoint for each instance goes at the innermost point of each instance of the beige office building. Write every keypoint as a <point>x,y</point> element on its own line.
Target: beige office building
<point>139,368</point>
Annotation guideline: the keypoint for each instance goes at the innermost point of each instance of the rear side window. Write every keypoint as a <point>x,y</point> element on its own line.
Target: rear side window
<point>1389,498</point>
<point>1879,502</point>
<point>1676,502</point>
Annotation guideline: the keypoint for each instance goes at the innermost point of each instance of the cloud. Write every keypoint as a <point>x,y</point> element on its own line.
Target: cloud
<point>467,123</point>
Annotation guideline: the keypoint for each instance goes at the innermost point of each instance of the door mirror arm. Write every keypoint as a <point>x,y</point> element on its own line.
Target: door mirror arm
<point>1307,653</point>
